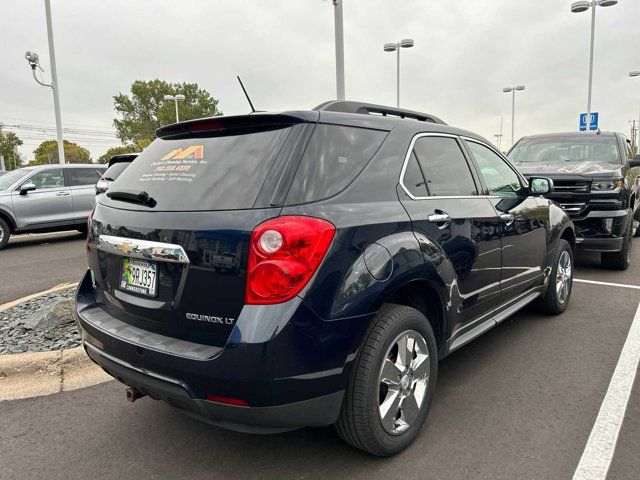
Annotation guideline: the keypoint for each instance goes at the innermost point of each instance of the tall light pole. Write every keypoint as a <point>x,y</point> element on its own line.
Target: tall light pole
<point>337,17</point>
<point>636,73</point>
<point>512,90</point>
<point>175,98</point>
<point>395,47</point>
<point>583,6</point>
<point>499,135</point>
<point>34,63</point>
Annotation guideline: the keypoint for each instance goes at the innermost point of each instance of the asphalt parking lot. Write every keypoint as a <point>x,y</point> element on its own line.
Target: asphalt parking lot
<point>519,402</point>
<point>33,263</point>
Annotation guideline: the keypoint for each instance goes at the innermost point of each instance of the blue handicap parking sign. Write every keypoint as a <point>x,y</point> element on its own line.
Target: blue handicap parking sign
<point>593,125</point>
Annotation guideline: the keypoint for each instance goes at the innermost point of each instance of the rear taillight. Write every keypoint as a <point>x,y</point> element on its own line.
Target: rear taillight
<point>89,222</point>
<point>284,253</point>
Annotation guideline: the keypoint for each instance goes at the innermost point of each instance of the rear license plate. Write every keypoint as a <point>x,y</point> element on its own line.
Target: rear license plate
<point>139,276</point>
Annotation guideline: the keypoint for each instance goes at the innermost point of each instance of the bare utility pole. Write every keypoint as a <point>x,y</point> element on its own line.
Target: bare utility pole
<point>337,11</point>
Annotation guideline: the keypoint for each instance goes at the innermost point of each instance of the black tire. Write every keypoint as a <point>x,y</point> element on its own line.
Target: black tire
<point>360,423</point>
<point>5,233</point>
<point>551,302</point>
<point>636,218</point>
<point>620,260</point>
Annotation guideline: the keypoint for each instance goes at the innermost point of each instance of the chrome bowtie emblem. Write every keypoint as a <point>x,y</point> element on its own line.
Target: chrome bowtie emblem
<point>125,247</point>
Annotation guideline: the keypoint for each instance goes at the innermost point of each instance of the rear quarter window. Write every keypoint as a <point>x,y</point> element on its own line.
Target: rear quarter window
<point>334,157</point>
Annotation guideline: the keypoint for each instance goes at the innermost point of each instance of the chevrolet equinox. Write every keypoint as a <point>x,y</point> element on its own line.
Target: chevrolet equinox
<point>273,271</point>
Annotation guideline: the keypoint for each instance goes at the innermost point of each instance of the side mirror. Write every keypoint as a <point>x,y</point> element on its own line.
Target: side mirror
<point>26,188</point>
<point>635,161</point>
<point>540,186</point>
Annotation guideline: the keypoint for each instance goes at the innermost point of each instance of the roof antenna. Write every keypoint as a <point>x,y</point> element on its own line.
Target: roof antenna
<point>253,110</point>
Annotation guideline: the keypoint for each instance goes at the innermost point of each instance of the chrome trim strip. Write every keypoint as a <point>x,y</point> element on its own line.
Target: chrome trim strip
<point>142,249</point>
<point>408,155</point>
<point>460,137</point>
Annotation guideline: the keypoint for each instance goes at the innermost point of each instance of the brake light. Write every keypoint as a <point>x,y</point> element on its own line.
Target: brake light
<point>89,222</point>
<point>284,253</point>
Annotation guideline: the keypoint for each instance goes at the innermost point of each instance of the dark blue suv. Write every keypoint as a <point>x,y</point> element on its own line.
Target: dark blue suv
<point>273,271</point>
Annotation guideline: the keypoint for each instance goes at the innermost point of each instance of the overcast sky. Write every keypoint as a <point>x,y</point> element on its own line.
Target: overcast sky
<point>465,52</point>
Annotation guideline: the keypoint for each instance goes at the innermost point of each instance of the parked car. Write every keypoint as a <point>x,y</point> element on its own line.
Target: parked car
<point>372,243</point>
<point>117,165</point>
<point>47,198</point>
<point>596,181</point>
<point>2,172</point>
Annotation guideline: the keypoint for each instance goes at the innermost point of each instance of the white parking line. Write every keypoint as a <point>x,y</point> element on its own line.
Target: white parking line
<point>600,447</point>
<point>607,284</point>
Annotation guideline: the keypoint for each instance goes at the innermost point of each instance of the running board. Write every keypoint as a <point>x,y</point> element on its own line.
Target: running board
<point>491,322</point>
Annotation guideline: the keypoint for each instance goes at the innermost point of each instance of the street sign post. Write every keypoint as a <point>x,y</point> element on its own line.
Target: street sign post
<point>593,124</point>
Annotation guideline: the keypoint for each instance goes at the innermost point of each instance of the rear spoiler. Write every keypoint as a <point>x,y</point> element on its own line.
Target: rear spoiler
<point>212,124</point>
<point>123,157</point>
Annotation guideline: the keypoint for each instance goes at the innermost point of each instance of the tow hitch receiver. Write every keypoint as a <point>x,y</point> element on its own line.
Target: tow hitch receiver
<point>133,394</point>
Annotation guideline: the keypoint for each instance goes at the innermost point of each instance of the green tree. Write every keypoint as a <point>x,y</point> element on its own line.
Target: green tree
<point>9,143</point>
<point>106,156</point>
<point>47,152</point>
<point>145,110</point>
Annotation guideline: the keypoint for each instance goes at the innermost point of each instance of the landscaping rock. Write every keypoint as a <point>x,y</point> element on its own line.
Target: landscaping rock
<point>53,329</point>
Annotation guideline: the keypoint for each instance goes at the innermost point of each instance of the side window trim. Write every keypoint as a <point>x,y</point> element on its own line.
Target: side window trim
<point>471,165</point>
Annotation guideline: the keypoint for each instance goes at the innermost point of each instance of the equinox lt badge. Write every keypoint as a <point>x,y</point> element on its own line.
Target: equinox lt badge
<point>210,319</point>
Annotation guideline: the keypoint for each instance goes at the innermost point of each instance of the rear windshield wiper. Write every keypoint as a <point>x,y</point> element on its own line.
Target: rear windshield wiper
<point>140,197</point>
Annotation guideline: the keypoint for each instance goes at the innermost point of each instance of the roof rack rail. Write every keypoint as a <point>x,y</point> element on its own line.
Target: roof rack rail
<point>373,109</point>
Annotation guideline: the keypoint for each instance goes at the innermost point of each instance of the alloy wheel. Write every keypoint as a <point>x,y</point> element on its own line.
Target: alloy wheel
<point>403,382</point>
<point>563,277</point>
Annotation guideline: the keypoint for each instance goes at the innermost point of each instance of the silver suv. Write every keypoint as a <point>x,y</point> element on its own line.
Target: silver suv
<point>47,198</point>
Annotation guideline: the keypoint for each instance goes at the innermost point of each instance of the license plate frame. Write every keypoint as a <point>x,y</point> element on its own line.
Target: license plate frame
<point>135,277</point>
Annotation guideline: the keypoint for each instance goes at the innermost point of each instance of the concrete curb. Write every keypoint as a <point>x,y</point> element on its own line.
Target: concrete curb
<point>34,374</point>
<point>57,288</point>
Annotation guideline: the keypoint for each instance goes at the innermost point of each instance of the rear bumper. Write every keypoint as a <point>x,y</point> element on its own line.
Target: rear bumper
<point>287,364</point>
<point>592,234</point>
<point>320,411</point>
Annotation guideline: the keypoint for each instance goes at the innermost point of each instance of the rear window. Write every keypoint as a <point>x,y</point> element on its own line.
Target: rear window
<point>224,172</point>
<point>115,170</point>
<point>334,157</point>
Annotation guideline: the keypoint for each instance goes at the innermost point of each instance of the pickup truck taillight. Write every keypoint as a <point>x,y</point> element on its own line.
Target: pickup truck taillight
<point>284,253</point>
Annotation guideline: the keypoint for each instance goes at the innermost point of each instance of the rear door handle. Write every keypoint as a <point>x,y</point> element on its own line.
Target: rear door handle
<point>507,218</point>
<point>63,194</point>
<point>442,218</point>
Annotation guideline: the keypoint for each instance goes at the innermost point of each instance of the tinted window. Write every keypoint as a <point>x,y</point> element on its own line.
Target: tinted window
<point>413,179</point>
<point>83,176</point>
<point>566,149</point>
<point>444,167</point>
<point>334,157</point>
<point>223,172</point>
<point>115,170</point>
<point>500,178</point>
<point>51,178</point>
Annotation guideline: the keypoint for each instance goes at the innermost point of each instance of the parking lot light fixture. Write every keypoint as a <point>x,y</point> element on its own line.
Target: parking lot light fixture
<point>512,91</point>
<point>395,47</point>
<point>636,73</point>
<point>579,7</point>
<point>176,99</point>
